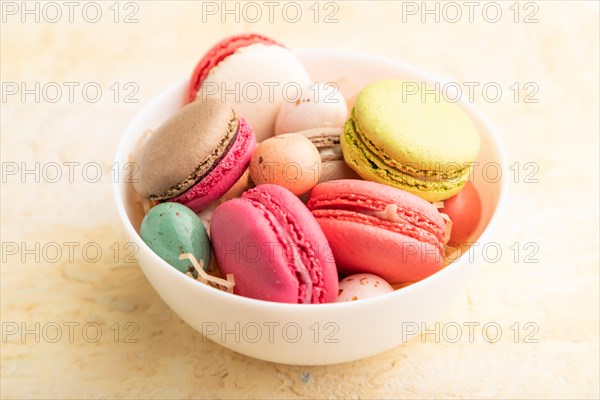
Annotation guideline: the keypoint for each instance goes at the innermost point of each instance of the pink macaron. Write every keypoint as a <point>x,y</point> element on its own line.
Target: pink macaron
<point>196,156</point>
<point>274,248</point>
<point>377,229</point>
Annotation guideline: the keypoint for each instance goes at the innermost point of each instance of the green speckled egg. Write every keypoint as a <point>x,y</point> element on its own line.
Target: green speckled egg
<point>171,229</point>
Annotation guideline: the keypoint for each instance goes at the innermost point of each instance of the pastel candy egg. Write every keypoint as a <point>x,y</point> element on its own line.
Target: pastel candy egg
<point>362,286</point>
<point>289,160</point>
<point>171,229</point>
<point>319,105</point>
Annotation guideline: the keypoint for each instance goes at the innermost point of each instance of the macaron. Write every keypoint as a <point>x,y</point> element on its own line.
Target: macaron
<point>274,248</point>
<point>402,136</point>
<point>377,229</point>
<point>289,160</point>
<point>253,74</point>
<point>171,229</point>
<point>327,142</point>
<point>318,105</point>
<point>195,156</point>
<point>362,286</point>
<point>464,210</point>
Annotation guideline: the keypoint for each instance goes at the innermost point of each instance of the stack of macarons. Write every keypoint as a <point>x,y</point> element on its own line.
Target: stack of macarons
<point>306,201</point>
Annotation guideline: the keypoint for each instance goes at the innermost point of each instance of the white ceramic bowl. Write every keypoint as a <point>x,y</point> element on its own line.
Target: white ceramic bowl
<point>319,333</point>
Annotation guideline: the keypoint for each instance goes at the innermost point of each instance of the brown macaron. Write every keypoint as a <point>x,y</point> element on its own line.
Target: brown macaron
<point>196,155</point>
<point>327,141</point>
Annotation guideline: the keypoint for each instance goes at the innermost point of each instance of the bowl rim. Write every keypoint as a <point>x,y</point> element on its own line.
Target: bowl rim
<point>119,188</point>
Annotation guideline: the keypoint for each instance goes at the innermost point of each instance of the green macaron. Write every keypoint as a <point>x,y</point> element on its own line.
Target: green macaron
<point>402,135</point>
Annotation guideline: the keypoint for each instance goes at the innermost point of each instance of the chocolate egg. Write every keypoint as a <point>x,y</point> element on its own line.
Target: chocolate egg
<point>362,286</point>
<point>171,229</point>
<point>289,160</point>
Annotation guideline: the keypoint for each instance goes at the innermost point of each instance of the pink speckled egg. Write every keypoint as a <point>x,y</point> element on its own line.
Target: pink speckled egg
<point>362,286</point>
<point>319,105</point>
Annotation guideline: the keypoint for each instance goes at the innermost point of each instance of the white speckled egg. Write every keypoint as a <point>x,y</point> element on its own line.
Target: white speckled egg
<point>362,286</point>
<point>318,106</point>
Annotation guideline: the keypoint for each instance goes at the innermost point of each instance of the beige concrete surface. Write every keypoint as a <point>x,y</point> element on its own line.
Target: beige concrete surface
<point>549,287</point>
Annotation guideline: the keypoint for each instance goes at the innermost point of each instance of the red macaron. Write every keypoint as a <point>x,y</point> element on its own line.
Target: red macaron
<point>274,248</point>
<point>374,228</point>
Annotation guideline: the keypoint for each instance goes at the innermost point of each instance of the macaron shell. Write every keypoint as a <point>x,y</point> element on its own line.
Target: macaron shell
<point>218,53</point>
<point>371,167</point>
<point>189,143</point>
<point>312,237</point>
<point>237,227</point>
<point>252,73</point>
<point>329,193</point>
<point>359,248</point>
<point>225,174</point>
<point>410,140</point>
<point>402,250</point>
<point>246,246</point>
<point>430,132</point>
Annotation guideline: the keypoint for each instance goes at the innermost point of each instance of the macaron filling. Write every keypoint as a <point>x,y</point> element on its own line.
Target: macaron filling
<point>206,166</point>
<point>375,212</point>
<point>298,251</point>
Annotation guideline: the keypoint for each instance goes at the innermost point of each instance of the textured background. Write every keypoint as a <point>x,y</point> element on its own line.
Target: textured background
<point>558,294</point>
